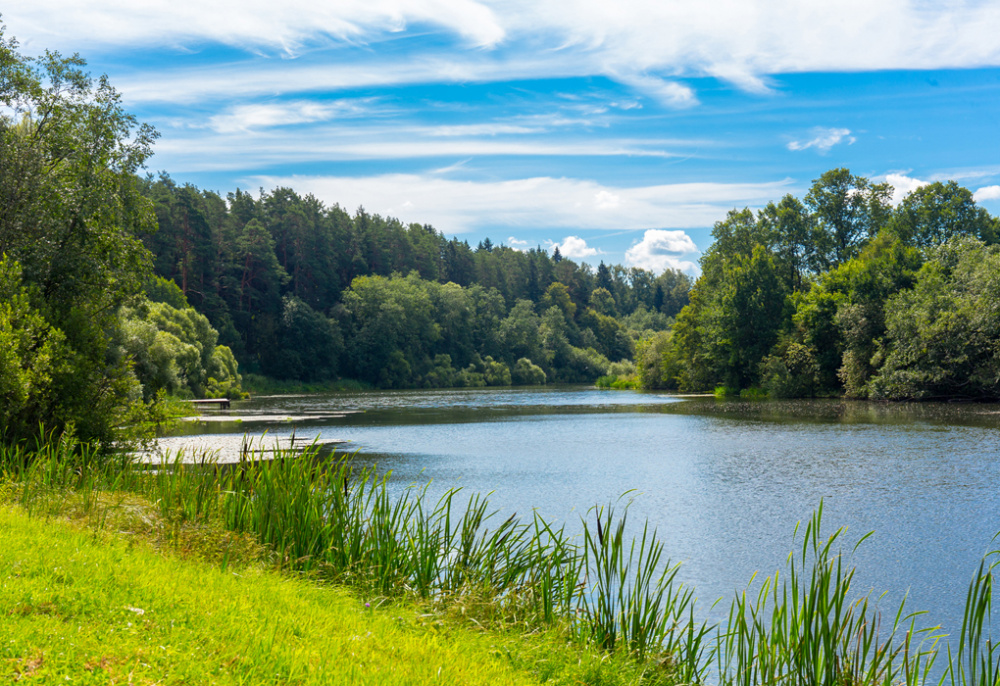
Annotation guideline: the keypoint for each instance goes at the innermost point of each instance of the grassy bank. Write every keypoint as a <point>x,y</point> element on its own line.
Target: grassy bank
<point>100,609</point>
<point>111,574</point>
<point>593,607</point>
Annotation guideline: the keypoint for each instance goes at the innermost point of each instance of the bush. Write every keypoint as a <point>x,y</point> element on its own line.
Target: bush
<point>174,350</point>
<point>526,373</point>
<point>793,374</point>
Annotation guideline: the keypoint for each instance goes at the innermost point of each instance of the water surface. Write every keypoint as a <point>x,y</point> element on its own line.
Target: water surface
<point>724,481</point>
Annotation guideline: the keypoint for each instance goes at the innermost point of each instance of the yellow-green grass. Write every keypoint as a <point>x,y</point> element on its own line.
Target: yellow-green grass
<point>96,609</point>
<point>99,607</point>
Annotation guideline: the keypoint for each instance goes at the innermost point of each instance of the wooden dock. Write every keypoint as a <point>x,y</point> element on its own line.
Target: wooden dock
<point>219,403</point>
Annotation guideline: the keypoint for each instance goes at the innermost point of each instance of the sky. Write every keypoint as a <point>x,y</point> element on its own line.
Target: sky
<point>619,131</point>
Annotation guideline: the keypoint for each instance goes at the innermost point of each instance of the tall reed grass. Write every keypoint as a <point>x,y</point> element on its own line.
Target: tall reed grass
<point>328,517</point>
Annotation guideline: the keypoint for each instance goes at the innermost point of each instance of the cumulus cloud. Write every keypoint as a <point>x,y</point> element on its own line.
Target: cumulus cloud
<point>823,139</point>
<point>903,185</point>
<point>660,250</point>
<point>987,193</point>
<point>456,206</point>
<point>575,248</point>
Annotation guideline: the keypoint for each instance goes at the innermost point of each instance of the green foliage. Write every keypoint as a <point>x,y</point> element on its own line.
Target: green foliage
<point>622,375</point>
<point>791,373</point>
<point>241,261</point>
<point>885,267</point>
<point>310,345</point>
<point>174,350</point>
<point>850,210</point>
<point>644,323</point>
<point>32,355</point>
<point>656,362</point>
<point>70,215</point>
<point>160,290</point>
<point>798,299</point>
<point>392,328</point>
<point>526,373</point>
<point>943,335</point>
<point>938,212</point>
<point>603,302</point>
<point>224,380</point>
<point>752,302</point>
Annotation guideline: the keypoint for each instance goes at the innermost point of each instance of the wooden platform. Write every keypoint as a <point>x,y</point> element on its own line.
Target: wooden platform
<point>221,403</point>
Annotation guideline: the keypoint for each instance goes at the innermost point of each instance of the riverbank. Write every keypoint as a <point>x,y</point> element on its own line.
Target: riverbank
<point>112,593</point>
<point>101,582</point>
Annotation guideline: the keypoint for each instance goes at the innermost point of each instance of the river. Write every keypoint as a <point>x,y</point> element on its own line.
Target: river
<point>723,481</point>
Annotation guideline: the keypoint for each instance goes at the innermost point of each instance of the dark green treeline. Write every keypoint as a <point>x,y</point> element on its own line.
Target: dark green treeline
<point>843,293</point>
<point>303,291</point>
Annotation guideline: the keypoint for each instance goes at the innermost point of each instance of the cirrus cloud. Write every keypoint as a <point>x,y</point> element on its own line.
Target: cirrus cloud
<point>648,46</point>
<point>823,139</point>
<point>456,206</point>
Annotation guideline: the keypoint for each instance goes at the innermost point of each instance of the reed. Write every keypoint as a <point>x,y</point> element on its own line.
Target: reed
<point>810,628</point>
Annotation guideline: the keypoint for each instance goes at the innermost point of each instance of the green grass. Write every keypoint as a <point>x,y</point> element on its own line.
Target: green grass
<point>619,382</point>
<point>100,609</point>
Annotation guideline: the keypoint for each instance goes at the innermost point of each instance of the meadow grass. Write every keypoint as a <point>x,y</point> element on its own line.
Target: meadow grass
<point>103,608</point>
<point>599,590</point>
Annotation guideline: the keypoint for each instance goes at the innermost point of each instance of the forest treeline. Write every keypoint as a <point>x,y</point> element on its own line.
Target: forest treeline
<point>841,292</point>
<point>299,290</point>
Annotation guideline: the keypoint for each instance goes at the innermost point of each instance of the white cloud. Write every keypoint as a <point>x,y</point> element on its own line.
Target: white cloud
<point>541,202</point>
<point>659,250</point>
<point>575,248</point>
<point>902,186</point>
<point>606,200</point>
<point>522,246</point>
<point>823,139</point>
<point>496,129</point>
<point>647,45</point>
<point>220,152</point>
<point>669,93</point>
<point>287,26</point>
<point>987,193</point>
<point>244,118</point>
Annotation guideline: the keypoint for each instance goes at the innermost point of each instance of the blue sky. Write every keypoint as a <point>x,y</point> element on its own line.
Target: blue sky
<point>619,131</point>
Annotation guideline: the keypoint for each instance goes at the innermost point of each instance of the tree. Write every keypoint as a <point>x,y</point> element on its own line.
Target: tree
<point>71,212</point>
<point>752,305</point>
<point>943,335</point>
<point>793,236</point>
<point>936,213</point>
<point>392,329</point>
<point>850,210</point>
